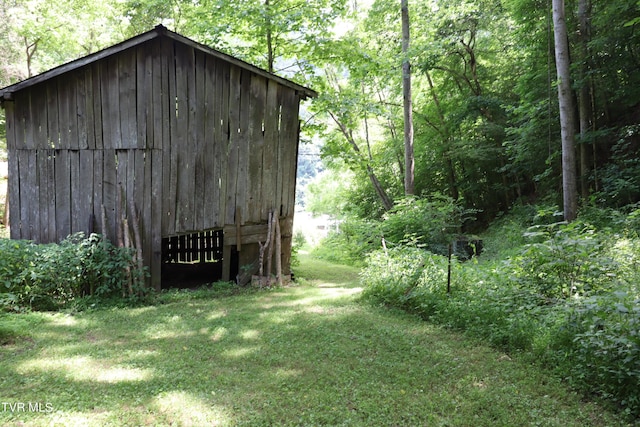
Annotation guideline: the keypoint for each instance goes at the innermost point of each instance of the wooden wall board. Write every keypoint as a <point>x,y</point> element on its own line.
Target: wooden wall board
<point>97,98</point>
<point>233,144</point>
<point>63,194</point>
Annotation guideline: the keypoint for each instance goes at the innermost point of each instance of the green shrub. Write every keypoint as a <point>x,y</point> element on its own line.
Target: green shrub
<point>397,275</point>
<point>605,352</point>
<point>570,299</point>
<point>351,243</point>
<point>564,260</point>
<point>430,223</point>
<point>47,277</point>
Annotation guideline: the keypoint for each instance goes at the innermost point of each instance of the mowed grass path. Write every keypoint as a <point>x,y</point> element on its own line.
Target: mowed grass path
<point>312,354</point>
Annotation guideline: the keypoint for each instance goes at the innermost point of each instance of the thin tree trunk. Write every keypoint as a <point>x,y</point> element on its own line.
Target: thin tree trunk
<point>270,55</point>
<point>382,194</point>
<point>584,98</point>
<point>409,160</point>
<point>567,112</point>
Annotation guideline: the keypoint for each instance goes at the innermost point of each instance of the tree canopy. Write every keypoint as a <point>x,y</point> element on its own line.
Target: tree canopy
<point>486,128</point>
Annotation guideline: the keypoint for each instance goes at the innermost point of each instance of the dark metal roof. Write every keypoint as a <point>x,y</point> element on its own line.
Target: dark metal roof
<point>159,31</point>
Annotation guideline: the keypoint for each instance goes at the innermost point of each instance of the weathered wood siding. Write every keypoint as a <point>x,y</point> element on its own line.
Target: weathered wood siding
<point>192,139</point>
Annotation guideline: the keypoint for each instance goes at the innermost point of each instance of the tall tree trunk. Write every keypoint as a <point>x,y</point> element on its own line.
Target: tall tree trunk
<point>584,97</point>
<point>567,112</point>
<point>409,160</point>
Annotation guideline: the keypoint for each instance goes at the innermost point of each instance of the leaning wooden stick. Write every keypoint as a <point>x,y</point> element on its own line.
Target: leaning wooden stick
<point>138,239</point>
<point>271,240</point>
<point>278,252</point>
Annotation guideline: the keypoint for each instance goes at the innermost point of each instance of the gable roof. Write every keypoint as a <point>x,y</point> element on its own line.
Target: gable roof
<point>158,31</point>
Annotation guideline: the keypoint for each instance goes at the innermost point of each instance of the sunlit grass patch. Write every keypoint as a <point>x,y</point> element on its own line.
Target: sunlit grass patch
<point>310,354</point>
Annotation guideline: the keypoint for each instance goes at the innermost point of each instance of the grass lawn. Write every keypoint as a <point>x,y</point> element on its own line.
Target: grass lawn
<point>310,354</point>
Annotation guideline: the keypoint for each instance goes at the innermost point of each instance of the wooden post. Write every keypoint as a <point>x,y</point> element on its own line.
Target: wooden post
<point>449,271</point>
<point>138,239</point>
<point>226,262</point>
<point>278,252</point>
<point>238,230</point>
<point>273,219</point>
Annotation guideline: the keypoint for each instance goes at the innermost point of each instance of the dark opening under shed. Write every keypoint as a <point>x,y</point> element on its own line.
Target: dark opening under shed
<point>195,146</point>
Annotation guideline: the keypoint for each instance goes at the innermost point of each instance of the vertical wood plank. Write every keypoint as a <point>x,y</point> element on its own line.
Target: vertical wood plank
<point>127,98</point>
<point>109,191</point>
<point>155,226</point>
<point>20,121</point>
<point>9,114</point>
<point>42,167</point>
<point>211,196</point>
<point>158,97</point>
<point>233,144</point>
<point>197,132</point>
<point>171,149</point>
<point>97,188</point>
<point>78,220</point>
<point>256,138</point>
<point>67,104</point>
<point>97,98</point>
<point>112,137</point>
<point>63,194</point>
<point>39,118</point>
<point>21,220</point>
<point>28,117</point>
<point>13,187</point>
<point>53,126</point>
<point>86,215</point>
<point>28,196</point>
<point>289,149</point>
<point>242,185</point>
<point>81,110</point>
<point>221,136</point>
<point>270,154</point>
<point>143,105</point>
<point>89,116</point>
<point>50,204</point>
<point>184,145</point>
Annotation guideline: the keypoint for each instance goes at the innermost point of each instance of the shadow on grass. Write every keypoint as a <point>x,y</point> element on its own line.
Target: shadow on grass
<point>306,355</point>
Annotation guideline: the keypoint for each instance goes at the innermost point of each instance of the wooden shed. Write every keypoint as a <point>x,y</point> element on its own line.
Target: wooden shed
<point>195,145</point>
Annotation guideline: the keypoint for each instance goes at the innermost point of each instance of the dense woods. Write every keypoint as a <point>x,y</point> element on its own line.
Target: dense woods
<point>484,104</point>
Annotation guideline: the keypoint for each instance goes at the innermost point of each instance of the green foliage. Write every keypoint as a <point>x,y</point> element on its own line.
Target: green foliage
<point>569,298</point>
<point>566,260</point>
<point>605,353</point>
<point>430,222</point>
<point>351,243</point>
<point>48,277</point>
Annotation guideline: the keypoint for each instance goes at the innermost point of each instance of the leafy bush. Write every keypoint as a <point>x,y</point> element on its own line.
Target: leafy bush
<point>351,243</point>
<point>46,277</point>
<point>430,223</point>
<point>564,260</point>
<point>397,275</point>
<point>570,299</point>
<point>604,353</point>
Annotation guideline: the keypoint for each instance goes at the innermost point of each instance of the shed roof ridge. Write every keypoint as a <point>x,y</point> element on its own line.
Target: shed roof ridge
<point>157,31</point>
